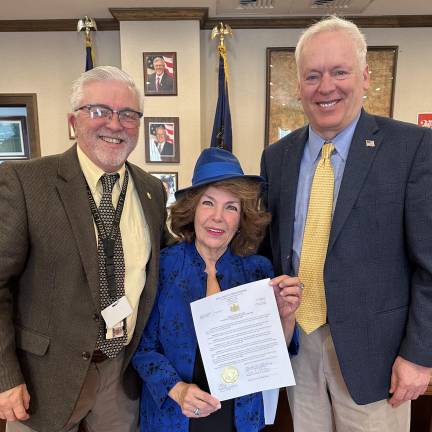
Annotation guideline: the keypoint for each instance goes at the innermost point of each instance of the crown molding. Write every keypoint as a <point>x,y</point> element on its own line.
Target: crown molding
<point>161,14</point>
<point>201,14</point>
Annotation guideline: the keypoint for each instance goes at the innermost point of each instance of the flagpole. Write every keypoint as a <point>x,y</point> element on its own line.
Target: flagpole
<point>222,131</point>
<point>88,25</point>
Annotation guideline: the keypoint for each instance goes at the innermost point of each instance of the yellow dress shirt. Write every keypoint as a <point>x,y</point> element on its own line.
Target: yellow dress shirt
<point>134,231</point>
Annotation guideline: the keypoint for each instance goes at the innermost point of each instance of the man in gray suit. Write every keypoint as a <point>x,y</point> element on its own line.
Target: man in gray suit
<point>160,81</point>
<point>79,251</point>
<point>366,262</point>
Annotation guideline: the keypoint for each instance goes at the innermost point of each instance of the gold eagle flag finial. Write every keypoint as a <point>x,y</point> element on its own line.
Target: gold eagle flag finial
<point>86,24</point>
<point>222,31</point>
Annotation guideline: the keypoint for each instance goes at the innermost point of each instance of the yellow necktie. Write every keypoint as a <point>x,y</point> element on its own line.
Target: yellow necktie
<point>312,312</point>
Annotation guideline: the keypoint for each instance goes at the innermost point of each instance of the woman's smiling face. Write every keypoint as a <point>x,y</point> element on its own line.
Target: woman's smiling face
<point>216,222</point>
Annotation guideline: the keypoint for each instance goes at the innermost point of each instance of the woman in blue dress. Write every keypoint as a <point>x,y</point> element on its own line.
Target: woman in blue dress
<point>219,223</point>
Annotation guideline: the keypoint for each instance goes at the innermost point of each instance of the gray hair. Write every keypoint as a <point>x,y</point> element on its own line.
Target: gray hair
<point>101,73</point>
<point>333,24</point>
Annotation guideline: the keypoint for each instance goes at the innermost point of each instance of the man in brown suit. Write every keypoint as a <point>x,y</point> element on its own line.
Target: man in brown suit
<point>62,363</point>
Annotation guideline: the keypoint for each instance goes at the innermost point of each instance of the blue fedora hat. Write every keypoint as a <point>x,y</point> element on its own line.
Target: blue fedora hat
<point>214,165</point>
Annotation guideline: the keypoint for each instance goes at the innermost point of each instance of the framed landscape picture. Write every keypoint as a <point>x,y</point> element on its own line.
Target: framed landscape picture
<point>19,126</point>
<point>13,138</point>
<point>284,112</point>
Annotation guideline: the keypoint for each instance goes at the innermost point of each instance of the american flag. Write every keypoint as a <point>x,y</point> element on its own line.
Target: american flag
<point>169,65</point>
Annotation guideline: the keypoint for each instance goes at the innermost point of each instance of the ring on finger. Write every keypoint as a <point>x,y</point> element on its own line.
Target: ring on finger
<point>197,412</point>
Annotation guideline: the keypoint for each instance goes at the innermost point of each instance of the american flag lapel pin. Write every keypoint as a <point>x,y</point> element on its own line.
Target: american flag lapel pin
<point>370,143</point>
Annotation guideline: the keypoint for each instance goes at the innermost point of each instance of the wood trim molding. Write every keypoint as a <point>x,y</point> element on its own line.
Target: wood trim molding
<point>161,14</point>
<point>103,24</point>
<point>201,14</point>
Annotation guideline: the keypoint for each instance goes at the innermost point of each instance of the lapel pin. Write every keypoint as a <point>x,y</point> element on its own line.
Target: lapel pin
<point>370,143</point>
<point>148,195</point>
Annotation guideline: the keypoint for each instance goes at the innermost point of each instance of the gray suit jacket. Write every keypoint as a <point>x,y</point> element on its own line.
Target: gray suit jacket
<point>378,270</point>
<point>166,84</point>
<point>49,283</point>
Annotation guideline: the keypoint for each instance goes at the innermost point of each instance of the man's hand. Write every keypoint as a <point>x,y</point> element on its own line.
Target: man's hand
<point>408,381</point>
<point>14,403</point>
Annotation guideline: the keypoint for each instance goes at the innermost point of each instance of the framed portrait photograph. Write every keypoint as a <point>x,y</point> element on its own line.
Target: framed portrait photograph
<point>162,139</point>
<point>13,138</point>
<point>160,73</point>
<point>170,182</point>
<point>284,112</point>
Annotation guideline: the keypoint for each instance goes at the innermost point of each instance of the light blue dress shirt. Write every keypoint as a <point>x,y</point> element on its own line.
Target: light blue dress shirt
<point>309,162</point>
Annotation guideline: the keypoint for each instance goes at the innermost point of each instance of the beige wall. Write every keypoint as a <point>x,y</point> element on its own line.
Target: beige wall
<point>46,63</point>
<point>182,37</point>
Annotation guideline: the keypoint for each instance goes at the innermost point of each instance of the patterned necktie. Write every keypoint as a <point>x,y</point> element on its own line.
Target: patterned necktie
<point>111,347</point>
<point>312,312</point>
<point>157,83</point>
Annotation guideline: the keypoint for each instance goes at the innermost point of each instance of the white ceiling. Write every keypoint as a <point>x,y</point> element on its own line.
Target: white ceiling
<point>63,9</point>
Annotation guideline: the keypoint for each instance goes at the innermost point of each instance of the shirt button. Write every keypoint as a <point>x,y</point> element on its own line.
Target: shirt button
<point>85,355</point>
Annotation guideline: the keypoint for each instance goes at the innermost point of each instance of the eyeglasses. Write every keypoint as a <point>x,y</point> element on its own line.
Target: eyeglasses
<point>128,118</point>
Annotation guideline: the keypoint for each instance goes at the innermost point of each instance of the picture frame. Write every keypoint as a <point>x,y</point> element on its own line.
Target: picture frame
<point>23,108</point>
<point>170,182</point>
<point>160,73</point>
<point>162,139</point>
<point>284,112</point>
<point>14,142</point>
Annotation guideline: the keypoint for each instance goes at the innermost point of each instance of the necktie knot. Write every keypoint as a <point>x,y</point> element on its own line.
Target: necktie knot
<point>108,181</point>
<point>327,150</point>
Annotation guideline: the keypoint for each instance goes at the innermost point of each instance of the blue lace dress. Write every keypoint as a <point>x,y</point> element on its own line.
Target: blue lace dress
<point>168,347</point>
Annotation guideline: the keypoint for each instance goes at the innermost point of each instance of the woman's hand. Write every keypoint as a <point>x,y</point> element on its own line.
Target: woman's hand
<point>193,401</point>
<point>288,292</point>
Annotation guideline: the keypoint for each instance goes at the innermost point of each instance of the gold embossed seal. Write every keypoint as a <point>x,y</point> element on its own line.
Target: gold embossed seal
<point>229,375</point>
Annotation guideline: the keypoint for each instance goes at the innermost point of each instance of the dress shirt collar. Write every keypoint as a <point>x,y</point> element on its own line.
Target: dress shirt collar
<point>93,173</point>
<point>341,141</point>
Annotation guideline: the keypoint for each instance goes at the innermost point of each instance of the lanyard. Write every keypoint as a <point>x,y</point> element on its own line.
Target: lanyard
<point>109,239</point>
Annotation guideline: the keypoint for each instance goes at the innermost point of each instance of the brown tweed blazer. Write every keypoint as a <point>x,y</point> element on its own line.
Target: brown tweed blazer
<point>49,285</point>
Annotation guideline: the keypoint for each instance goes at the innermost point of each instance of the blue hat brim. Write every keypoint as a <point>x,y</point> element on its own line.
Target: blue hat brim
<point>216,179</point>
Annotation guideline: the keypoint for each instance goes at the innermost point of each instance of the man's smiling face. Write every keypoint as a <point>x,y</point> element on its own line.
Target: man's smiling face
<point>106,143</point>
<point>331,82</point>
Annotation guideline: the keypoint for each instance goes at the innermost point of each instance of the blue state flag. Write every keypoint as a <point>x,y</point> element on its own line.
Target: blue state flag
<point>222,131</point>
<point>89,56</point>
